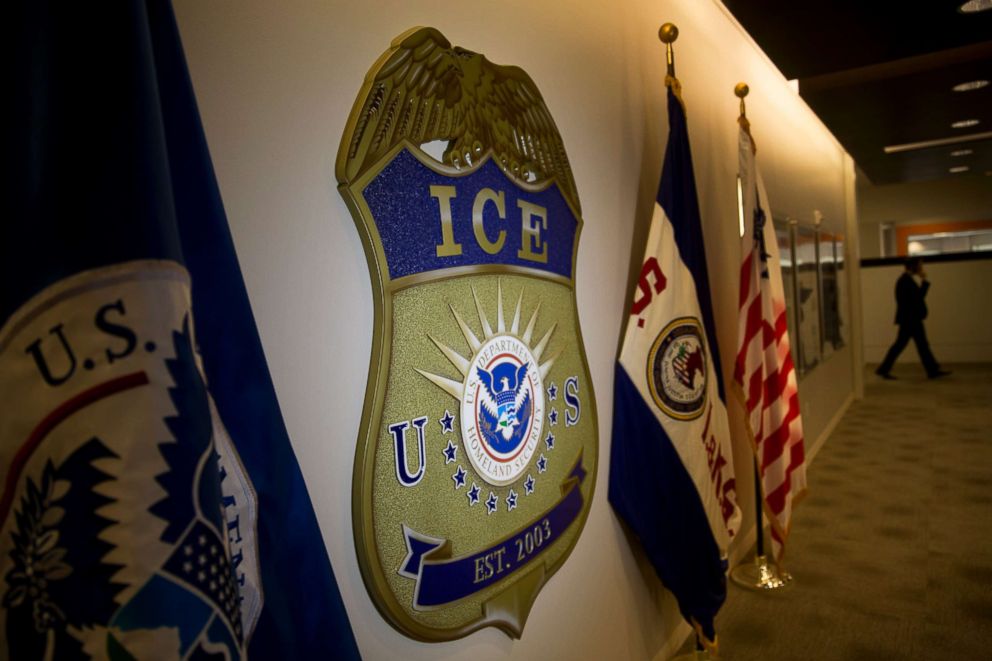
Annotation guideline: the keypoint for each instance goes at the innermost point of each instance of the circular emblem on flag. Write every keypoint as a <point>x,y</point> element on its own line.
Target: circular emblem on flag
<point>500,407</point>
<point>677,369</point>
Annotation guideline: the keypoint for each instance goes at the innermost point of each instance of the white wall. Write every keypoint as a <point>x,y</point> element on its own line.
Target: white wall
<point>959,301</point>
<point>276,81</point>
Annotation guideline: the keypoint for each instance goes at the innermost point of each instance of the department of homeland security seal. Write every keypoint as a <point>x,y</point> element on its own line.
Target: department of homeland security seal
<point>476,459</point>
<point>501,402</point>
<point>677,369</point>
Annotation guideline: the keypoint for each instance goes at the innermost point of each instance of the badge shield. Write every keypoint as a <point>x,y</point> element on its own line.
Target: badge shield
<point>476,459</point>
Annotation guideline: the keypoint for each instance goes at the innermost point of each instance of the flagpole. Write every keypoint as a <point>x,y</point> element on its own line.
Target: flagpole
<point>759,547</point>
<point>759,574</point>
<point>668,33</point>
<point>741,90</point>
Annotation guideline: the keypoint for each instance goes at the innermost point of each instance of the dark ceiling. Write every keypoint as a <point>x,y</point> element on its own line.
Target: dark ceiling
<point>880,73</point>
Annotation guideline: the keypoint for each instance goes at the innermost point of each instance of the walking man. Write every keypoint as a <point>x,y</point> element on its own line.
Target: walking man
<point>911,310</point>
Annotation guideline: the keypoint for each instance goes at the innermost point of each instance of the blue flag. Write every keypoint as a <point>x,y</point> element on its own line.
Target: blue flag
<point>152,506</point>
<point>671,469</point>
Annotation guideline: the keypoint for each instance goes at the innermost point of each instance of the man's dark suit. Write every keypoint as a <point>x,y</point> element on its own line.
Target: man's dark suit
<point>911,310</point>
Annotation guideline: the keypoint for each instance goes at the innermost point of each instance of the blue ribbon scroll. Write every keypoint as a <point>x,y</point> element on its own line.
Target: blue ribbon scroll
<point>442,579</point>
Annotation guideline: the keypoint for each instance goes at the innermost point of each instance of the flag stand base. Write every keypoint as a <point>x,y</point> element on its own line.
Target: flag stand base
<point>760,575</point>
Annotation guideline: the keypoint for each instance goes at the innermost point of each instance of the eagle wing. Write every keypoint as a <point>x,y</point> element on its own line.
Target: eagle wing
<point>523,409</point>
<point>521,393</point>
<point>488,396</point>
<point>423,89</point>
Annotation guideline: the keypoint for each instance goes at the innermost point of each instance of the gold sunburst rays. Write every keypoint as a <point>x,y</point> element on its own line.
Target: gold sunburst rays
<point>464,364</point>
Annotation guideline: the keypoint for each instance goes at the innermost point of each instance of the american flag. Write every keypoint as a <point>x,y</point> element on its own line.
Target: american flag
<point>764,373</point>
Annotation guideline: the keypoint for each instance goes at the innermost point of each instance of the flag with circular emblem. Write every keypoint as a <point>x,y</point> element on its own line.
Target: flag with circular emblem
<point>671,465</point>
<point>151,506</point>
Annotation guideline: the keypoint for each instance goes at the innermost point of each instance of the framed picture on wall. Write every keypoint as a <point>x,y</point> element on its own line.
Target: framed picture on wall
<point>807,297</point>
<point>783,236</point>
<point>842,294</point>
<point>831,322</point>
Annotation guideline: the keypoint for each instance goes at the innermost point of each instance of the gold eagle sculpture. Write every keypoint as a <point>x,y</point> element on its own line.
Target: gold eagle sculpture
<point>423,90</point>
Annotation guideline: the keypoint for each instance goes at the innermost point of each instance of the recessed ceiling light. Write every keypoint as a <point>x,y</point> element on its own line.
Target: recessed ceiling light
<point>965,123</point>
<point>962,152</point>
<point>973,6</point>
<point>959,168</point>
<point>970,86</point>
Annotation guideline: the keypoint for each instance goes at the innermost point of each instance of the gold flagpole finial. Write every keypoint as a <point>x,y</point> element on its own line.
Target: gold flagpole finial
<point>740,91</point>
<point>668,33</point>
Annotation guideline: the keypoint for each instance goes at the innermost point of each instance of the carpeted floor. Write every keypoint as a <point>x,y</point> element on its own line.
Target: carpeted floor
<point>892,548</point>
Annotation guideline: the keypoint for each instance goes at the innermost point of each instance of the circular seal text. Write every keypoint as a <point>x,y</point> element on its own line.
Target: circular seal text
<point>677,369</point>
<point>502,409</point>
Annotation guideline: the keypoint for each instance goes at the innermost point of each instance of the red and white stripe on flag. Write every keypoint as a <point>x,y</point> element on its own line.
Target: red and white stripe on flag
<point>764,373</point>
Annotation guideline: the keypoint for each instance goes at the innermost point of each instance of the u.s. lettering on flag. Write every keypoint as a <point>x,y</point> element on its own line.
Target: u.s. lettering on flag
<point>151,504</point>
<point>764,374</point>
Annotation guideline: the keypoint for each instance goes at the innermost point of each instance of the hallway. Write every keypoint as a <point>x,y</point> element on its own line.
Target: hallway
<point>891,550</point>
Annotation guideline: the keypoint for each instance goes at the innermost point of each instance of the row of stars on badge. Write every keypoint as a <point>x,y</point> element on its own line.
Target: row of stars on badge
<point>474,494</point>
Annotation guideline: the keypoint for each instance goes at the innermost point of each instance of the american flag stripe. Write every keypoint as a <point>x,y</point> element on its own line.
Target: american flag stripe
<point>754,323</point>
<point>754,392</point>
<point>775,384</point>
<point>774,445</point>
<point>746,280</point>
<point>764,372</point>
<point>780,500</point>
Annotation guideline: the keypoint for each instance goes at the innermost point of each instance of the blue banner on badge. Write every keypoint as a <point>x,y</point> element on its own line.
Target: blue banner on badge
<point>442,580</point>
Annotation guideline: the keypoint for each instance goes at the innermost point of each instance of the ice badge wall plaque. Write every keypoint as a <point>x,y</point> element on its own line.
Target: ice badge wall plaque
<point>476,459</point>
